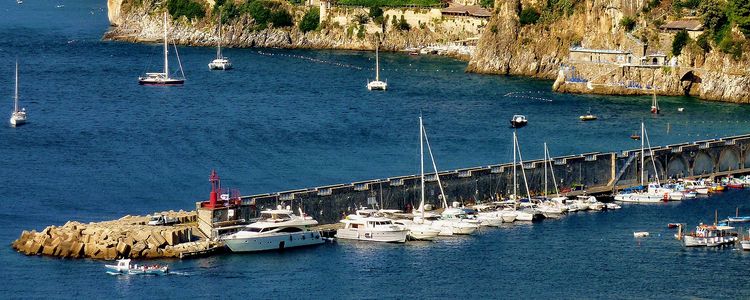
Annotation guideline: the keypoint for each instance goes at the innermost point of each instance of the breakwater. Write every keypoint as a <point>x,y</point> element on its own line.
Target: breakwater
<point>593,173</point>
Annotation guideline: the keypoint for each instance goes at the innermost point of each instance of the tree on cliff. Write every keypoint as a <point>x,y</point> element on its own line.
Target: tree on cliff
<point>311,20</point>
<point>740,13</point>
<point>680,40</point>
<point>187,8</point>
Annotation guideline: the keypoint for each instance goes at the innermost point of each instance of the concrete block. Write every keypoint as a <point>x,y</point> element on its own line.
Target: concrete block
<point>34,249</point>
<point>49,250</point>
<point>123,249</point>
<point>111,254</point>
<point>169,237</point>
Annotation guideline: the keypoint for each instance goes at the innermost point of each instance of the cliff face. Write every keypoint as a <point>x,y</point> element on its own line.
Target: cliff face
<point>143,23</point>
<point>543,50</point>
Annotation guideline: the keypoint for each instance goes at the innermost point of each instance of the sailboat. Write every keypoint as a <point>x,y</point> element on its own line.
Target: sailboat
<point>555,207</point>
<point>221,62</point>
<point>163,78</point>
<point>451,222</point>
<point>654,104</point>
<point>18,117</point>
<point>528,214</point>
<point>654,192</point>
<point>377,84</point>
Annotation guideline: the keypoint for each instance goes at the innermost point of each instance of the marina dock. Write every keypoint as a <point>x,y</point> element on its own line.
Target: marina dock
<point>195,233</point>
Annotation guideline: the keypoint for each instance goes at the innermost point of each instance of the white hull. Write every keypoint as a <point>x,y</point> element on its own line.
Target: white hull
<point>220,64</point>
<point>691,241</point>
<point>745,245</point>
<point>377,86</point>
<point>276,241</point>
<point>17,120</point>
<point>396,236</point>
<point>639,198</point>
<point>422,233</point>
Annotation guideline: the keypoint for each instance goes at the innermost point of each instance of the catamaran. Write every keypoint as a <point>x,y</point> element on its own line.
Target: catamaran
<point>163,78</point>
<point>377,84</point>
<point>18,117</point>
<point>220,62</point>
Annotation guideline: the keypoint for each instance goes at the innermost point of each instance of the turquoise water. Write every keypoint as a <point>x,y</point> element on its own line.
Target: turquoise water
<point>98,146</point>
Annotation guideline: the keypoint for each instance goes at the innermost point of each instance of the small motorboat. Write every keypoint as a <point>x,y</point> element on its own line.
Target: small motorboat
<point>123,266</point>
<point>640,234</point>
<point>739,219</point>
<point>518,121</point>
<point>680,109</point>
<point>673,225</point>
<point>635,136</point>
<point>588,116</point>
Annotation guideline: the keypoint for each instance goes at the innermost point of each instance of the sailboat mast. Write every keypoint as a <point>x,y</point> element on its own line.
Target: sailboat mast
<point>166,49</point>
<point>377,61</point>
<point>642,158</point>
<point>552,171</point>
<point>421,165</point>
<point>434,167</point>
<point>15,102</point>
<point>218,49</point>
<point>545,170</point>
<point>514,166</point>
<point>523,171</point>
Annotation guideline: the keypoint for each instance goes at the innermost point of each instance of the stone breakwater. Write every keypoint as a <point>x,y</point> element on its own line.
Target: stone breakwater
<point>127,237</point>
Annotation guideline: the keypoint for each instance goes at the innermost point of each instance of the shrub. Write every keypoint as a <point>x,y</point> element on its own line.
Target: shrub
<point>361,32</point>
<point>528,16</point>
<point>187,8</point>
<point>403,25</point>
<point>628,23</point>
<point>311,20</point>
<point>680,40</point>
<point>730,46</point>
<point>739,10</point>
<point>487,3</point>
<point>361,19</point>
<point>704,42</point>
<point>281,18</point>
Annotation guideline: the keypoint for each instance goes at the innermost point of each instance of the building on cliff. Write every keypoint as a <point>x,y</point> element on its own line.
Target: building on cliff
<point>693,27</point>
<point>620,57</point>
<point>456,10</point>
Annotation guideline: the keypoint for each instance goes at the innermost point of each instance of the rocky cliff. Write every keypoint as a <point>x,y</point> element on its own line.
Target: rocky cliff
<point>142,22</point>
<point>543,50</point>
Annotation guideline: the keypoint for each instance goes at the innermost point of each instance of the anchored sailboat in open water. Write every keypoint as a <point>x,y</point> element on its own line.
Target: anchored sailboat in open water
<point>163,78</point>
<point>18,117</point>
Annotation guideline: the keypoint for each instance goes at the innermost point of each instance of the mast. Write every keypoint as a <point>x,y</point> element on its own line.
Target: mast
<point>15,101</point>
<point>552,171</point>
<point>434,167</point>
<point>642,160</point>
<point>514,166</point>
<point>377,61</point>
<point>166,49</point>
<point>218,49</point>
<point>523,171</point>
<point>421,165</point>
<point>545,169</point>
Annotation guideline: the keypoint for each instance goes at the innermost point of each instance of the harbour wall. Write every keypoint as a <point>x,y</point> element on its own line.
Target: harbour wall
<point>597,172</point>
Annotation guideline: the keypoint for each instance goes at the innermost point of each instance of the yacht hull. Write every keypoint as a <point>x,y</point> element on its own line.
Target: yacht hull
<point>278,241</point>
<point>161,82</point>
<point>372,235</point>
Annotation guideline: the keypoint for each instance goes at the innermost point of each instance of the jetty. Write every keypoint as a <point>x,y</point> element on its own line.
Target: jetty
<point>196,232</point>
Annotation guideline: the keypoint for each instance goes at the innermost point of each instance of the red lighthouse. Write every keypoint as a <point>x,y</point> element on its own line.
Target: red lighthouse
<point>215,189</point>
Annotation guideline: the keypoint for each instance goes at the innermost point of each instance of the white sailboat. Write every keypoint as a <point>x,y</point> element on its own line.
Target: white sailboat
<point>18,117</point>
<point>530,213</point>
<point>655,104</point>
<point>163,78</point>
<point>220,62</point>
<point>555,207</point>
<point>453,226</point>
<point>654,193</point>
<point>377,84</point>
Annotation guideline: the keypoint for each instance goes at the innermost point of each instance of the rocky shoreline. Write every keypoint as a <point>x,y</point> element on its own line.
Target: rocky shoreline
<point>127,237</point>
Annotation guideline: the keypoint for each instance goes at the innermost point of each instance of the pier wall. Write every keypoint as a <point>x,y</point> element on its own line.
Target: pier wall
<point>598,172</point>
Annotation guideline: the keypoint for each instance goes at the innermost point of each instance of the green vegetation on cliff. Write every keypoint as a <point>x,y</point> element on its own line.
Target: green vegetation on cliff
<point>263,12</point>
<point>311,20</point>
<point>187,8</point>
<point>390,3</point>
<point>529,15</point>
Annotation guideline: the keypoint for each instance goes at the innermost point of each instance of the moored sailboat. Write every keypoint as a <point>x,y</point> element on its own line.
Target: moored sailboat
<point>163,78</point>
<point>220,62</point>
<point>377,84</point>
<point>18,117</point>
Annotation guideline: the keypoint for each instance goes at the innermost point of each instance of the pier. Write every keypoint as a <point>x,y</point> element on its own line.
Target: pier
<point>599,173</point>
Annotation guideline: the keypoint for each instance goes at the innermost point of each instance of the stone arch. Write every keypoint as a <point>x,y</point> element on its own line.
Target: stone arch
<point>650,173</point>
<point>677,167</point>
<point>688,81</point>
<point>729,159</point>
<point>703,164</point>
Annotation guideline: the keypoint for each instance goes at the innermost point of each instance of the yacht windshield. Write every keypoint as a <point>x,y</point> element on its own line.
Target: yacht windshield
<point>253,229</point>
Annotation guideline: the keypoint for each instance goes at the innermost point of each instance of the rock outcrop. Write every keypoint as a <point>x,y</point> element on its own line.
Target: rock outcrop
<point>542,50</point>
<point>127,237</point>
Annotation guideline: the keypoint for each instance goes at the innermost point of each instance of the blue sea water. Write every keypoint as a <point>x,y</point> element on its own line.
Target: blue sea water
<point>98,146</point>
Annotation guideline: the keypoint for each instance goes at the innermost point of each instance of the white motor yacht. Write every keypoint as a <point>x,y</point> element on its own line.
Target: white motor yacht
<point>276,229</point>
<point>418,232</point>
<point>374,229</point>
<point>18,117</point>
